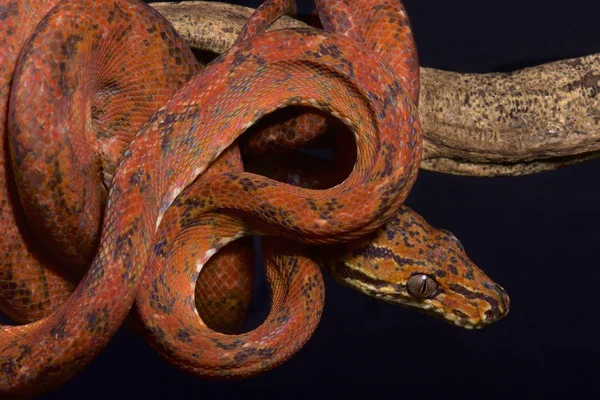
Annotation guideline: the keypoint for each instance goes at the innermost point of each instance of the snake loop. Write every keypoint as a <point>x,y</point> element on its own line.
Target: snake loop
<point>176,331</point>
<point>89,107</point>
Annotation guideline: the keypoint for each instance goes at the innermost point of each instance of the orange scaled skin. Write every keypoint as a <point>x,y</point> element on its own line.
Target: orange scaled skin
<point>385,29</point>
<point>27,282</point>
<point>76,70</point>
<point>466,296</point>
<point>224,290</point>
<point>246,200</point>
<point>171,150</point>
<point>103,111</point>
<point>116,114</point>
<point>381,263</point>
<point>167,301</point>
<point>58,171</point>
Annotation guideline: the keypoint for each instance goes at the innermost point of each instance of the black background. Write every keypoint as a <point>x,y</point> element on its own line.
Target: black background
<point>535,235</point>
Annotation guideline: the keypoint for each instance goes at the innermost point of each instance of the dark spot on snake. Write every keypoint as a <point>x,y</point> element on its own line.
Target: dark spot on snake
<point>151,29</point>
<point>25,350</point>
<point>183,335</point>
<point>242,355</point>
<point>123,33</point>
<point>389,152</point>
<point>119,12</point>
<point>333,205</point>
<point>312,204</point>
<point>141,180</point>
<point>273,213</point>
<point>111,16</point>
<point>69,46</point>
<point>452,268</point>
<point>391,227</point>
<point>307,287</point>
<point>159,247</point>
<point>259,59</point>
<point>8,10</point>
<point>239,57</point>
<point>227,346</point>
<point>374,252</point>
<point>159,303</point>
<point>9,366</point>
<point>124,243</point>
<point>283,317</point>
<point>266,352</point>
<point>247,184</point>
<point>330,50</point>
<point>469,274</point>
<point>98,321</point>
<point>158,333</point>
<point>66,87</point>
<point>58,331</point>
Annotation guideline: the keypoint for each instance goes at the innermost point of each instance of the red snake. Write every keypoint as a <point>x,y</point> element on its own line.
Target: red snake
<point>82,73</point>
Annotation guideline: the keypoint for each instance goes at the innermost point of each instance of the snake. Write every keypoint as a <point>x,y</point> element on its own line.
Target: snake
<point>329,71</point>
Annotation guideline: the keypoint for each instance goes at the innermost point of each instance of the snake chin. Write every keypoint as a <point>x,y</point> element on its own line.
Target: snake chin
<point>449,316</point>
<point>449,307</point>
<point>468,313</point>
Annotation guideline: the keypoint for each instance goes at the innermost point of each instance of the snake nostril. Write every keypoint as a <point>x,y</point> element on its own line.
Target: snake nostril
<point>492,315</point>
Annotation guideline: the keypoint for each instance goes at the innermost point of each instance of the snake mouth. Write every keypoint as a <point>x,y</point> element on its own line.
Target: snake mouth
<point>453,308</point>
<point>471,311</point>
<point>466,303</point>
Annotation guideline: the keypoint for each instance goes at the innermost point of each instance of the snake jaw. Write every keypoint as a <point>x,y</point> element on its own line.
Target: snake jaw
<point>467,308</point>
<point>444,306</point>
<point>471,309</point>
<point>465,315</point>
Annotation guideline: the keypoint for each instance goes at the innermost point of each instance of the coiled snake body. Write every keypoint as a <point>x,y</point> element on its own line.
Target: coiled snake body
<point>174,145</point>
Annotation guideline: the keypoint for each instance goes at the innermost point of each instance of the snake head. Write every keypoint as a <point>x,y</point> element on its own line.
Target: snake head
<point>410,263</point>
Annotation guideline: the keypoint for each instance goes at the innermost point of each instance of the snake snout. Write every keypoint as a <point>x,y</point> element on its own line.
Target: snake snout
<point>498,305</point>
<point>503,307</point>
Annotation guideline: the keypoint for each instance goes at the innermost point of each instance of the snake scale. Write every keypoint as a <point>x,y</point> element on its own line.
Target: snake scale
<point>90,133</point>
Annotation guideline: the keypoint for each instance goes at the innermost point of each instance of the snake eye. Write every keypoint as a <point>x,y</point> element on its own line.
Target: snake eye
<point>421,286</point>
